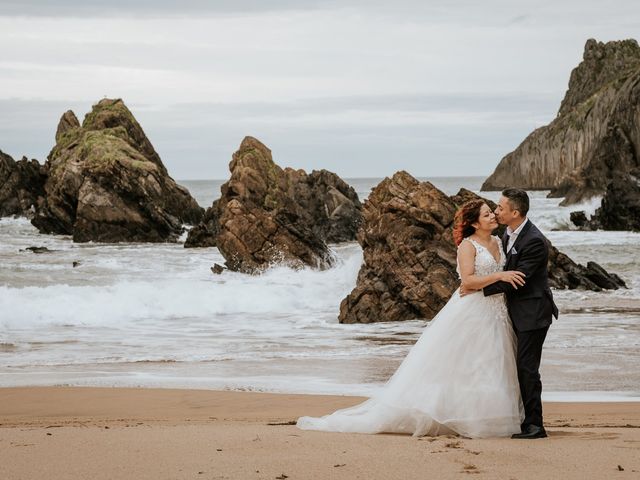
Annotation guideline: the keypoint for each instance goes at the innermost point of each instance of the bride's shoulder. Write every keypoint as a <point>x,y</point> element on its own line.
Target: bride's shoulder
<point>467,244</point>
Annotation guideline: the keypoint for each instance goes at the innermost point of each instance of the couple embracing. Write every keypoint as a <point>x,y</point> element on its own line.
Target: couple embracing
<point>475,370</point>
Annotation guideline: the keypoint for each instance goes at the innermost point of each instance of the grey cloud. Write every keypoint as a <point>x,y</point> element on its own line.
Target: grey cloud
<point>96,8</point>
<point>433,9</point>
<point>519,19</point>
<point>152,8</point>
<point>196,140</point>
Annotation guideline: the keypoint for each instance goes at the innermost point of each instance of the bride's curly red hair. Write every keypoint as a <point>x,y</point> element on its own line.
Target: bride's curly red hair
<point>465,216</point>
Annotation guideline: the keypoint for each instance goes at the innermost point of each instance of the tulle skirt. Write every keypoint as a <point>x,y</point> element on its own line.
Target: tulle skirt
<point>459,377</point>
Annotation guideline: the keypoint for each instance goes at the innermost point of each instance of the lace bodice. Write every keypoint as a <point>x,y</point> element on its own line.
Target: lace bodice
<point>485,262</point>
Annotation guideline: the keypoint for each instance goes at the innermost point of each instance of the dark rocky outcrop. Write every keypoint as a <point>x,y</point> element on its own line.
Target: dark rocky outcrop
<point>565,273</point>
<point>591,148</point>
<point>269,215</point>
<point>579,218</point>
<point>106,183</point>
<point>409,267</point>
<point>37,250</point>
<point>615,169</point>
<point>330,205</point>
<point>204,233</point>
<point>620,208</point>
<point>21,185</point>
<point>217,269</point>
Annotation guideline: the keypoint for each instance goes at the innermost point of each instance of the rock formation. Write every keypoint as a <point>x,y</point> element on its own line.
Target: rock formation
<point>615,169</point>
<point>106,183</point>
<point>268,215</point>
<point>67,122</point>
<point>591,147</point>
<point>204,233</point>
<point>550,154</point>
<point>565,273</point>
<point>21,185</point>
<point>409,267</point>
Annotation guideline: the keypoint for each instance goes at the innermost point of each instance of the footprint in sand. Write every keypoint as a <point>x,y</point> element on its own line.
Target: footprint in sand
<point>470,468</point>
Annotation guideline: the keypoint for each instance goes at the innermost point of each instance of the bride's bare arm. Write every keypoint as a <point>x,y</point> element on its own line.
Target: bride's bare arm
<point>471,281</point>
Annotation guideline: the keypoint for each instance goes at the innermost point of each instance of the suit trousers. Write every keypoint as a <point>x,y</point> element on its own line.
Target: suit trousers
<point>528,364</point>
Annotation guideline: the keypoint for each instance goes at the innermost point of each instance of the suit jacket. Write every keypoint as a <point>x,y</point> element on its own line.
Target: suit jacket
<point>531,306</point>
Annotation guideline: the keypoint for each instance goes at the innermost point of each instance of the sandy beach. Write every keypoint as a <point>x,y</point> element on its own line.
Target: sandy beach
<point>120,433</point>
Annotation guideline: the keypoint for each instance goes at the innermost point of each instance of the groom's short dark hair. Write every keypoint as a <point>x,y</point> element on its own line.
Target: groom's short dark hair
<point>518,199</point>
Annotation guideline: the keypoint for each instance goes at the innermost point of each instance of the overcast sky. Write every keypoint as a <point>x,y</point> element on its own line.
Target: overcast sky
<point>362,88</point>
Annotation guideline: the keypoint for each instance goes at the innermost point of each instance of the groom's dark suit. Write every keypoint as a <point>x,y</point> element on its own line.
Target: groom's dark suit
<point>531,308</point>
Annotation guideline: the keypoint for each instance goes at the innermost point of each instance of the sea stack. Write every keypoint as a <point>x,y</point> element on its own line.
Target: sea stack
<point>409,265</point>
<point>106,183</point>
<point>591,148</point>
<point>268,215</point>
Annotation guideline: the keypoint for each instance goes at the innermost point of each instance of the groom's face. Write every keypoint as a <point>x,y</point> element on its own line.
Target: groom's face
<point>505,213</point>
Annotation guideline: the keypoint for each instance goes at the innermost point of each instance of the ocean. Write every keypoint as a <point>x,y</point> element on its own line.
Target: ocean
<point>153,315</point>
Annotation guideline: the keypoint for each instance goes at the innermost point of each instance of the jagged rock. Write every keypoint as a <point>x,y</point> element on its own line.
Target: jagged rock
<point>618,164</point>
<point>37,250</point>
<point>67,122</point>
<point>204,234</point>
<point>268,215</point>
<point>620,208</point>
<point>217,268</point>
<point>616,169</point>
<point>463,196</point>
<point>106,183</point>
<point>601,64</point>
<point>593,141</point>
<point>579,219</point>
<point>563,272</point>
<point>330,205</point>
<point>602,278</point>
<point>21,185</point>
<point>409,267</point>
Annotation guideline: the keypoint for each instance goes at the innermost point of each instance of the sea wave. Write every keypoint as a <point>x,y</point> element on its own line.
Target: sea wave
<point>279,291</point>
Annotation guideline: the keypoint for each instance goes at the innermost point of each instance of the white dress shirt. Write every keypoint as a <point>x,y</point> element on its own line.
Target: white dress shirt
<point>513,234</point>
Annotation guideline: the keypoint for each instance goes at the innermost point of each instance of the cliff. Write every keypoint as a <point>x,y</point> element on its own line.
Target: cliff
<point>587,145</point>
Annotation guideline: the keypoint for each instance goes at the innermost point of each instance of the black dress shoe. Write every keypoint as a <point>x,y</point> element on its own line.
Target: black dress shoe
<point>531,431</point>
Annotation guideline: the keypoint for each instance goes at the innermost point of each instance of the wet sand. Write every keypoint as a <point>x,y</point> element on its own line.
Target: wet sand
<point>120,433</point>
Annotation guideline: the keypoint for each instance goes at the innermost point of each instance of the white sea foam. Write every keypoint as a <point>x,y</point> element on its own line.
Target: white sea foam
<point>279,291</point>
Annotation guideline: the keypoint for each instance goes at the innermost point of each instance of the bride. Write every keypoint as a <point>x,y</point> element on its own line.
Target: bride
<point>460,376</point>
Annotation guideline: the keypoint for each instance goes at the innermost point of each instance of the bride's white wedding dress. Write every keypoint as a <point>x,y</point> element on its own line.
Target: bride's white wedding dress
<point>459,377</point>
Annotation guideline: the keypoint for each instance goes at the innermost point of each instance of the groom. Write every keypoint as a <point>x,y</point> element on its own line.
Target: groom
<point>531,306</point>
